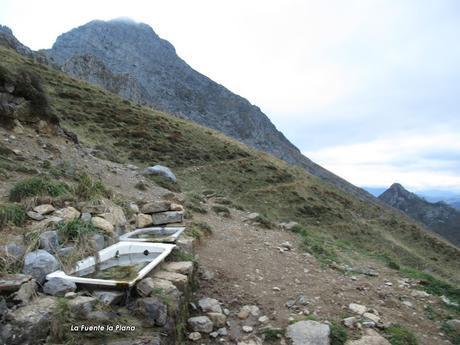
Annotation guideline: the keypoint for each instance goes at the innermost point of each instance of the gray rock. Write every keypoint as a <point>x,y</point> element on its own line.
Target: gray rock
<point>209,305</point>
<point>35,215</point>
<point>3,308</point>
<point>222,332</point>
<point>29,324</point>
<point>370,338</point>
<point>145,287</point>
<point>26,292</point>
<point>98,241</point>
<point>109,297</point>
<point>82,305</point>
<point>200,324</point>
<point>161,171</point>
<point>58,286</point>
<point>217,319</point>
<point>44,209</point>
<point>14,249</point>
<point>85,216</point>
<point>101,315</point>
<point>38,264</point>
<point>167,217</point>
<point>308,333</point>
<point>12,282</point>
<point>153,310</point>
<point>194,336</point>
<point>454,324</point>
<point>156,206</point>
<point>49,241</point>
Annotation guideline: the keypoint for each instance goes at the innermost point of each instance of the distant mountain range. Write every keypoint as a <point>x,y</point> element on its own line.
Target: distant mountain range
<point>450,198</point>
<point>439,216</point>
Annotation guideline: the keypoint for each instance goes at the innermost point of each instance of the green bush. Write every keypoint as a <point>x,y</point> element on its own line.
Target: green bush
<point>222,210</point>
<point>399,335</point>
<point>37,186</point>
<point>12,213</point>
<point>75,229</point>
<point>338,335</point>
<point>264,221</point>
<point>198,229</point>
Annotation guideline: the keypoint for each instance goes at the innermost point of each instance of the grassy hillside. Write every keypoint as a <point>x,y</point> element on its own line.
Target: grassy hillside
<point>336,226</point>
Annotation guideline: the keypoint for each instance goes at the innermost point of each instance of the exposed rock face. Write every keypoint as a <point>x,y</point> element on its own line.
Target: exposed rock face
<point>439,217</point>
<point>8,40</point>
<point>132,60</point>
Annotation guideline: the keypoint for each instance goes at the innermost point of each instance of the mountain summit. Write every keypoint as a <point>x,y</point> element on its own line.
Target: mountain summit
<point>130,59</point>
<point>439,217</point>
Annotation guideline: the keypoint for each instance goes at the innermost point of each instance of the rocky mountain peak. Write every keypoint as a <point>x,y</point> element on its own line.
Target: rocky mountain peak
<point>158,77</point>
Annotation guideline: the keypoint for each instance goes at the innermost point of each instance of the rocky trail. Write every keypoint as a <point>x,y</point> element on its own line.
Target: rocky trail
<point>243,264</point>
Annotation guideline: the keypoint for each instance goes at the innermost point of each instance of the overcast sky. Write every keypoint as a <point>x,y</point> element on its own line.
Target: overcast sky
<point>369,89</point>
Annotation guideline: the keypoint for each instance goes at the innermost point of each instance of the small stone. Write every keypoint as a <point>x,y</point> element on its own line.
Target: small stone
<point>213,334</point>
<point>209,305</point>
<point>222,332</point>
<point>26,292</point>
<point>67,213</point>
<point>357,308</point>
<point>155,312</point>
<point>102,224</point>
<point>35,215</point>
<point>194,336</point>
<point>109,297</point>
<point>176,207</point>
<point>98,241</point>
<point>290,303</point>
<point>287,245</point>
<point>217,319</point>
<point>247,310</point>
<point>143,220</point>
<point>264,319</point>
<point>12,282</point>
<point>454,324</point>
<point>70,295</point>
<point>49,241</point>
<point>134,208</point>
<point>58,286</point>
<point>408,304</point>
<point>308,332</point>
<point>82,305</point>
<point>200,324</point>
<point>44,209</point>
<point>247,329</point>
<point>372,317</point>
<point>275,288</point>
<point>86,217</point>
<point>419,294</point>
<point>350,322</point>
<point>226,312</point>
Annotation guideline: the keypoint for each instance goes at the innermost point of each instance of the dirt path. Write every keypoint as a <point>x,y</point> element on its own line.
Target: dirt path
<point>249,268</point>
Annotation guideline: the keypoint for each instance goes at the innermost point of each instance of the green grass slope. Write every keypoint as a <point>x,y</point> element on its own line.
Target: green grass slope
<point>337,226</point>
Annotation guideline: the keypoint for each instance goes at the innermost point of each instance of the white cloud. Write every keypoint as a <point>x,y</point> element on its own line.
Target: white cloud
<point>419,161</point>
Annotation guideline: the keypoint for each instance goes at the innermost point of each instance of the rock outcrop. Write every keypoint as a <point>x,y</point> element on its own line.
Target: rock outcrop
<point>439,217</point>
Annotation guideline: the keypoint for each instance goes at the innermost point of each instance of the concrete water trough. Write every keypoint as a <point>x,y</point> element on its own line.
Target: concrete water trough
<point>120,265</point>
<point>167,234</point>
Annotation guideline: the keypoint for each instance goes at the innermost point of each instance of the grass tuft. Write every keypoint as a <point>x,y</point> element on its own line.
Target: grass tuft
<point>12,214</point>
<point>87,189</point>
<point>75,229</point>
<point>37,186</point>
<point>338,335</point>
<point>399,335</point>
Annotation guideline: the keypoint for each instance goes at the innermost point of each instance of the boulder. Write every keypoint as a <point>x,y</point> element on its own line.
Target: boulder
<point>156,206</point>
<point>209,305</point>
<point>38,264</point>
<point>29,324</point>
<point>153,310</point>
<point>200,324</point>
<point>67,213</point>
<point>145,287</point>
<point>143,220</point>
<point>58,286</point>
<point>161,170</point>
<point>49,241</point>
<point>454,324</point>
<point>308,333</point>
<point>103,225</point>
<point>167,217</point>
<point>12,282</point>
<point>44,209</point>
<point>182,267</point>
<point>109,297</point>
